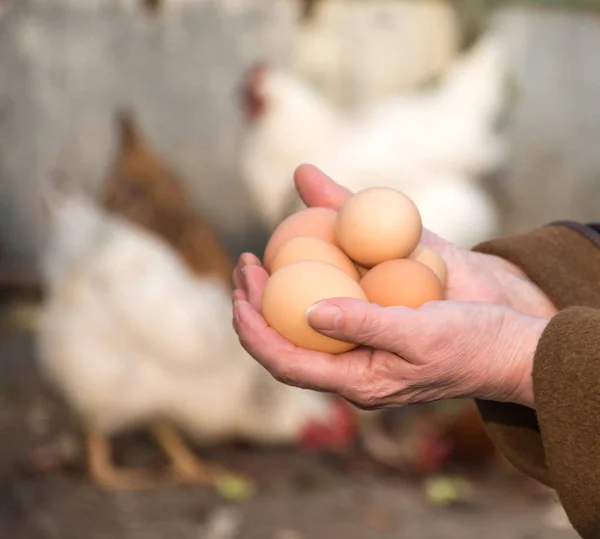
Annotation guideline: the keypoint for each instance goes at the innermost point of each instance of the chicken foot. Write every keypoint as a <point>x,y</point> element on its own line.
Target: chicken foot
<point>187,467</point>
<point>103,470</point>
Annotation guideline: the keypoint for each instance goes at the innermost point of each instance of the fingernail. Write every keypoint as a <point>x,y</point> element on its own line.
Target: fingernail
<point>324,317</point>
<point>235,308</point>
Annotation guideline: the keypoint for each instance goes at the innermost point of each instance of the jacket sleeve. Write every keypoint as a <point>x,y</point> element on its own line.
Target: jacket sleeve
<point>558,443</point>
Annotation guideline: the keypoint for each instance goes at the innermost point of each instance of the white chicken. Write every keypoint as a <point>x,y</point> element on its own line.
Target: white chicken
<point>131,337</point>
<point>455,209</point>
<point>433,145</point>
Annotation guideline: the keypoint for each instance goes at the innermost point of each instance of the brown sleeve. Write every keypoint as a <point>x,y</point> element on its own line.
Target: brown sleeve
<point>557,443</point>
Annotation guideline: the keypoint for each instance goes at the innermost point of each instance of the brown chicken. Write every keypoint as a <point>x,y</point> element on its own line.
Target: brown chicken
<point>142,188</point>
<point>423,439</point>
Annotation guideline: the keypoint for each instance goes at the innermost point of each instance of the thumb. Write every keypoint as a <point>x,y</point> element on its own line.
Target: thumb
<point>361,322</point>
<point>317,189</point>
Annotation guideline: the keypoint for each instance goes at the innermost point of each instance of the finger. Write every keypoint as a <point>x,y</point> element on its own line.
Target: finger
<point>317,189</point>
<point>239,294</point>
<point>255,279</point>
<point>290,364</point>
<point>352,320</point>
<point>250,259</point>
<point>246,259</point>
<point>238,281</point>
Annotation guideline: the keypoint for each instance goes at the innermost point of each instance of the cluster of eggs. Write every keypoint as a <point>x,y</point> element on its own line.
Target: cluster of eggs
<point>369,250</point>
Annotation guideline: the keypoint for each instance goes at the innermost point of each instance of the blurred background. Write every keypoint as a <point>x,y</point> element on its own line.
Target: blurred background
<point>174,127</point>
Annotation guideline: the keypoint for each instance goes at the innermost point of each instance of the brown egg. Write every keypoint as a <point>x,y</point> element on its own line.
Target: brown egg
<point>317,222</point>
<point>378,224</point>
<point>311,248</point>
<point>402,282</point>
<point>432,260</point>
<point>291,290</point>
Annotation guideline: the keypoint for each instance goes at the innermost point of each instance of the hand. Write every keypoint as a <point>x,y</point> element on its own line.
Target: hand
<point>442,350</point>
<point>471,277</point>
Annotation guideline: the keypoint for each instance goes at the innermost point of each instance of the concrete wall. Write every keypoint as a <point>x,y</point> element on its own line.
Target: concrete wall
<point>67,65</point>
<point>554,171</point>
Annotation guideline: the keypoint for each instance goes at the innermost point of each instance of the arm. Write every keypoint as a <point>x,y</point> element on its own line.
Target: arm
<point>557,444</point>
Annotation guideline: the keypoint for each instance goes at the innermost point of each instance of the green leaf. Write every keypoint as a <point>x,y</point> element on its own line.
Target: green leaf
<point>444,490</point>
<point>234,487</point>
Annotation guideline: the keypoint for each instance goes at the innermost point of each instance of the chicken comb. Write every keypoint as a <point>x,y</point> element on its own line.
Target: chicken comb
<point>253,102</point>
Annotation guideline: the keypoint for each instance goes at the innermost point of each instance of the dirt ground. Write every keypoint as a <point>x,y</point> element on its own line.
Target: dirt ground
<point>299,496</point>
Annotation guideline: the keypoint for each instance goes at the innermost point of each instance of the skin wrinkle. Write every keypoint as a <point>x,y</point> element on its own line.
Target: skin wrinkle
<point>403,341</point>
<point>378,383</point>
<point>523,384</point>
<point>379,390</point>
<point>368,327</point>
<point>351,392</point>
<point>495,342</point>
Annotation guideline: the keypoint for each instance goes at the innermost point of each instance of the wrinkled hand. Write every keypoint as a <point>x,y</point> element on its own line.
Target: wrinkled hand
<point>442,350</point>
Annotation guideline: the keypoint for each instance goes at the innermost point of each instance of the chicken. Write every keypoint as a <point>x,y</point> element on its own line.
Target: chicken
<point>413,444</point>
<point>442,139</point>
<point>131,337</point>
<point>423,439</point>
<point>456,209</point>
<point>144,190</point>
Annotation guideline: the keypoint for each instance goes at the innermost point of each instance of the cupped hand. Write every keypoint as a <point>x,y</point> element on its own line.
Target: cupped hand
<point>471,276</point>
<point>441,350</point>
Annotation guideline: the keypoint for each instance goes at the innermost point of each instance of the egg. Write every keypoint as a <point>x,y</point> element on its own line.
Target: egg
<point>316,222</point>
<point>378,224</point>
<point>311,248</point>
<point>403,282</point>
<point>432,260</point>
<point>292,289</point>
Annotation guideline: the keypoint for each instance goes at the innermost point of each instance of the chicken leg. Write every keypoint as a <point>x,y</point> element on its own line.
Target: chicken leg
<point>187,467</point>
<point>103,470</point>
